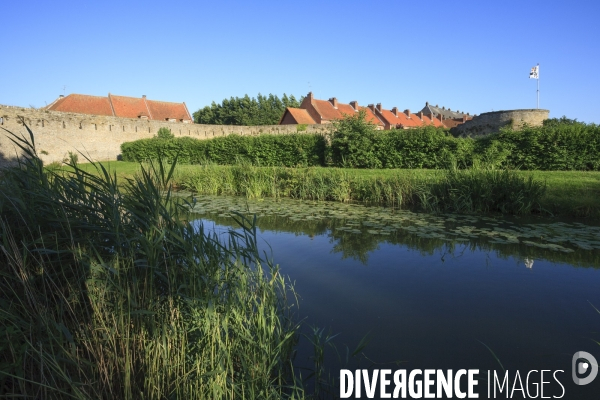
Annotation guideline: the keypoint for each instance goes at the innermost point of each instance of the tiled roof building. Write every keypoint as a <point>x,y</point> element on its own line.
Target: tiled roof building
<point>403,120</point>
<point>449,118</point>
<point>313,111</point>
<point>296,116</point>
<point>122,106</point>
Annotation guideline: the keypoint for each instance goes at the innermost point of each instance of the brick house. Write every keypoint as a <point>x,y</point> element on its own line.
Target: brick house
<point>449,118</point>
<point>403,119</point>
<point>313,111</point>
<point>122,106</point>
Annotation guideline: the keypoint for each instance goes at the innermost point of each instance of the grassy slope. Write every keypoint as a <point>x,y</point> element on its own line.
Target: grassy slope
<point>574,193</point>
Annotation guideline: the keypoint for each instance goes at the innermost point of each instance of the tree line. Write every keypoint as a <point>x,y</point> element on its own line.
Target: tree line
<point>262,110</point>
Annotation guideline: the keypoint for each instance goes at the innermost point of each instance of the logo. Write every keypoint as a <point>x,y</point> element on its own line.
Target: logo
<point>584,363</point>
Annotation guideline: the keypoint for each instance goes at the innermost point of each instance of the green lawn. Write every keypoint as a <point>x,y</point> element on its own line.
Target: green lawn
<point>572,193</point>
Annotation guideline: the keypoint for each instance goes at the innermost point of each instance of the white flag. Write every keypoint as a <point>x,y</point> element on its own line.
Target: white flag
<point>535,72</point>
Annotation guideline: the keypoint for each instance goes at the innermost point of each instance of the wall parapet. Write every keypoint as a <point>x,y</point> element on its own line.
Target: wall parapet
<point>100,137</point>
<point>491,122</point>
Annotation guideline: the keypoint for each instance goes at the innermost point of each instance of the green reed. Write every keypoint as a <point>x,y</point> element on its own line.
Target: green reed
<point>106,291</point>
<point>475,190</point>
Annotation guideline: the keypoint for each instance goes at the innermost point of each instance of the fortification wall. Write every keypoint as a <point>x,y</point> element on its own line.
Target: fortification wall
<point>100,137</point>
<point>490,122</point>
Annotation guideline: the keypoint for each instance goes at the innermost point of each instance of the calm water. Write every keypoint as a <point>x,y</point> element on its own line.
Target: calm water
<point>434,291</point>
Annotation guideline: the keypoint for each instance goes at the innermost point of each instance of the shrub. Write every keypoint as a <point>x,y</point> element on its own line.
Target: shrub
<point>164,133</point>
<point>353,143</point>
<point>282,150</point>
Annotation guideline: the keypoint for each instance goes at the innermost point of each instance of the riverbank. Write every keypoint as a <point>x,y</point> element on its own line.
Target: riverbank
<point>107,291</point>
<point>567,193</point>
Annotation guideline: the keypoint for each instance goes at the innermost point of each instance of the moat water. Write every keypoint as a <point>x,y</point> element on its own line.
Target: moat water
<point>435,291</point>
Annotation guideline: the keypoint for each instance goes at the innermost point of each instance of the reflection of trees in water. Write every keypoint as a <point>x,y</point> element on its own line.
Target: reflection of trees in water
<point>357,246</point>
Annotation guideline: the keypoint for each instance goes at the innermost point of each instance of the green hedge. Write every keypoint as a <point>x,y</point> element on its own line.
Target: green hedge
<point>553,147</point>
<point>269,150</point>
<point>558,145</point>
<point>357,144</point>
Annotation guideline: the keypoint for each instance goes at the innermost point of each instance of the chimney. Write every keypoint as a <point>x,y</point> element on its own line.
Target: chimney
<point>143,96</point>
<point>310,96</point>
<point>407,112</point>
<point>426,103</point>
<point>440,117</point>
<point>379,107</point>
<point>395,111</point>
<point>354,105</point>
<point>371,107</point>
<point>443,108</point>
<point>334,102</point>
<point>60,96</point>
<point>436,106</point>
<point>420,114</point>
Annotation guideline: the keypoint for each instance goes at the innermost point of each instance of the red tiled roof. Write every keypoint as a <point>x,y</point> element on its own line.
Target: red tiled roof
<point>401,120</point>
<point>326,110</point>
<point>129,107</point>
<point>345,109</point>
<point>426,120</point>
<point>436,122</point>
<point>121,106</point>
<point>83,104</point>
<point>300,115</point>
<point>370,117</point>
<point>451,123</point>
<point>162,110</point>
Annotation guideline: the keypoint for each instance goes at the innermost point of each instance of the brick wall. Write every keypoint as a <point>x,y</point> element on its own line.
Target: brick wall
<point>100,137</point>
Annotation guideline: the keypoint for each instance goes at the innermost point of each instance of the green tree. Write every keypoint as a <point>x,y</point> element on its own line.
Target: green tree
<point>353,142</point>
<point>262,110</point>
<point>164,133</point>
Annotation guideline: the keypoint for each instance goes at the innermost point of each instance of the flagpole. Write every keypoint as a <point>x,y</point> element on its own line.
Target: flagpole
<point>538,86</point>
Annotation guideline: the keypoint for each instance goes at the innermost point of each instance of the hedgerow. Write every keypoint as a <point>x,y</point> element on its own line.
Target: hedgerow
<point>269,150</point>
<point>560,144</point>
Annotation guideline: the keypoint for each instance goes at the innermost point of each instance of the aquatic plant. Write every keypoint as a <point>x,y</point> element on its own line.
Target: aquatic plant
<point>106,291</point>
<point>474,190</point>
<point>482,190</point>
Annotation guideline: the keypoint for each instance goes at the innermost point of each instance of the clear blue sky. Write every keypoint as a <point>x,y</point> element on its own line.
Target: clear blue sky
<point>473,56</point>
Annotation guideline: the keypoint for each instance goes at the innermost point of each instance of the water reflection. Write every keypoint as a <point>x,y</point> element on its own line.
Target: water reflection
<point>432,289</point>
<point>356,231</point>
<point>528,263</point>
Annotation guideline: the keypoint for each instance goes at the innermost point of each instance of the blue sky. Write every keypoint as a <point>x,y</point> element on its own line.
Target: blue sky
<point>473,56</point>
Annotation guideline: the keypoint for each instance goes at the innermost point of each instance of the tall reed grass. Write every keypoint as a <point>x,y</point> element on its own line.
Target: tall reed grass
<point>478,189</point>
<point>482,190</point>
<point>106,291</point>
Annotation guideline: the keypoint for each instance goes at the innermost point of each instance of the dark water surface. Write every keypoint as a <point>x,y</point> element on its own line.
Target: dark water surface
<point>437,292</point>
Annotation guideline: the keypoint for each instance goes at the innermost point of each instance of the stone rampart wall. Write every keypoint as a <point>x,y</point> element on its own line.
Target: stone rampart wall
<point>490,122</point>
<point>100,137</point>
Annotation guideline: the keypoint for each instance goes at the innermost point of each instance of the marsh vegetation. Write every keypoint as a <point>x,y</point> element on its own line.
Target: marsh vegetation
<point>107,291</point>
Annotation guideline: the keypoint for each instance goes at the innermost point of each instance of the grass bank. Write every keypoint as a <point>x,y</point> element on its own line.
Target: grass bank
<point>568,193</point>
<point>107,292</point>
